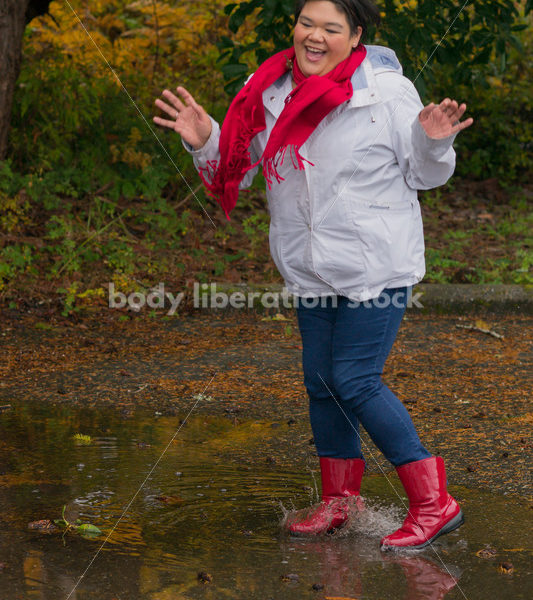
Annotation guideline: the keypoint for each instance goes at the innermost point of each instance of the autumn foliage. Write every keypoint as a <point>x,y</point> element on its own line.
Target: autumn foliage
<point>92,186</point>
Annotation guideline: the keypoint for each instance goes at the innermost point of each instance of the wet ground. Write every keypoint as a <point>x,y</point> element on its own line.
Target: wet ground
<point>201,518</point>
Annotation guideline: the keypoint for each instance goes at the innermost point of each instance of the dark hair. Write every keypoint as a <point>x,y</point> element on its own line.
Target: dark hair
<point>362,13</point>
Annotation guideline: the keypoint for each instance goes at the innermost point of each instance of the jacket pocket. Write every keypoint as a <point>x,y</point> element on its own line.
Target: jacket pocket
<point>388,239</point>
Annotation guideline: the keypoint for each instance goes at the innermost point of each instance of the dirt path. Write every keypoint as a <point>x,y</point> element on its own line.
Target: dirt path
<point>468,392</point>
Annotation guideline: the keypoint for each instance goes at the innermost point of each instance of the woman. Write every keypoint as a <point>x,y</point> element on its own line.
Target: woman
<point>344,142</point>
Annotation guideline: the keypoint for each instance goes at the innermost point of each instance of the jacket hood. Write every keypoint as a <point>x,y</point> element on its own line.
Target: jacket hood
<point>381,59</point>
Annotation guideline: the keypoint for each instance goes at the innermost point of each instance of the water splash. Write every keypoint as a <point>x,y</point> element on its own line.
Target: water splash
<point>375,520</point>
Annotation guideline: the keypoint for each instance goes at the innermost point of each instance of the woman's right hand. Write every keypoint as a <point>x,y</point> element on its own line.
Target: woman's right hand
<point>186,117</point>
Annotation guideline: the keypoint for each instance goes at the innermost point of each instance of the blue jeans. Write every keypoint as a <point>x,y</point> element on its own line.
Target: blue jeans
<point>345,346</point>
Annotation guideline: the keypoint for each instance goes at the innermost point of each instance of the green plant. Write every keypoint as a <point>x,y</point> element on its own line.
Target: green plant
<point>421,31</point>
<point>256,228</point>
<point>14,259</point>
<point>479,51</point>
<point>69,299</point>
<point>84,529</point>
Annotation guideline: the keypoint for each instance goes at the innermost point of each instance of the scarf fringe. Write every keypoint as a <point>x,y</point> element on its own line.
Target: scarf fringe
<point>271,164</point>
<point>222,180</point>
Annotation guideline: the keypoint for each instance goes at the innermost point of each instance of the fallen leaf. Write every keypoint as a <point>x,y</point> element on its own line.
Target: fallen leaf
<point>204,577</point>
<point>290,577</point>
<point>44,525</point>
<point>486,552</point>
<point>169,499</point>
<point>506,568</point>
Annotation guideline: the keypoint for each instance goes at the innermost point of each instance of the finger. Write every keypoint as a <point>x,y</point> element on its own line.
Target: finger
<point>443,106</point>
<point>453,112</point>
<point>164,122</point>
<point>452,108</point>
<point>187,96</point>
<point>426,111</point>
<point>189,99</point>
<point>456,117</point>
<point>459,126</point>
<point>173,100</point>
<point>170,110</point>
<point>461,111</point>
<point>465,124</point>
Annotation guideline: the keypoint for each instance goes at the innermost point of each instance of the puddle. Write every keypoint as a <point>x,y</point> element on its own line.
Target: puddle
<point>212,504</point>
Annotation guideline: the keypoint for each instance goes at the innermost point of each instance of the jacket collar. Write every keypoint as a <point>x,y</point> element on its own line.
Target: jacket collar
<point>364,84</point>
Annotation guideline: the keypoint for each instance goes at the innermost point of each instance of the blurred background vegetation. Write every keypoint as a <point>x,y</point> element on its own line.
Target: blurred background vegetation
<point>92,192</point>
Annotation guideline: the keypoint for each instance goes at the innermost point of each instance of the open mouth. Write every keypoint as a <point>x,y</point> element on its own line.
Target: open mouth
<point>313,54</point>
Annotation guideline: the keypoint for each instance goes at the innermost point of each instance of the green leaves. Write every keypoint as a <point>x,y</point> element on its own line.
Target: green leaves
<point>89,530</point>
<point>84,529</point>
<point>479,52</point>
<point>464,37</point>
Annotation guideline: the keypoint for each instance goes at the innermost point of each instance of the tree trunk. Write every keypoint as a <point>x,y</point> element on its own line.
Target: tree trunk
<point>14,15</point>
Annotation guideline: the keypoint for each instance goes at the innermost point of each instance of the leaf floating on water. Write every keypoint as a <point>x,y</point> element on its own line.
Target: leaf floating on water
<point>82,439</point>
<point>290,577</point>
<point>486,552</point>
<point>88,530</point>
<point>170,499</point>
<point>204,577</point>
<point>44,525</point>
<point>84,529</point>
<point>506,568</point>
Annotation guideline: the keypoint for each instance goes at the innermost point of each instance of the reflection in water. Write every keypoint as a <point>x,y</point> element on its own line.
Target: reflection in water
<point>346,568</point>
<point>221,516</point>
<point>425,580</point>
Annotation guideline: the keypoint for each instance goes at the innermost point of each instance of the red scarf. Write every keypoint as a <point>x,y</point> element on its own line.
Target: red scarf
<point>307,104</point>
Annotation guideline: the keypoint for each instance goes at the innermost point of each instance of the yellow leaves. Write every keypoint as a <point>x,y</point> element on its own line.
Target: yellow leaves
<point>112,26</point>
<point>130,36</point>
<point>13,212</point>
<point>495,82</point>
<point>276,317</point>
<point>404,5</point>
<point>81,439</point>
<point>128,153</point>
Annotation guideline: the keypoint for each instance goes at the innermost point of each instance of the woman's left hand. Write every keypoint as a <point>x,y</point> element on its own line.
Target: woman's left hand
<point>444,119</point>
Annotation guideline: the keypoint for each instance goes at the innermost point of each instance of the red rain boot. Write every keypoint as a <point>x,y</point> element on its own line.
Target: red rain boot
<point>432,511</point>
<point>341,481</point>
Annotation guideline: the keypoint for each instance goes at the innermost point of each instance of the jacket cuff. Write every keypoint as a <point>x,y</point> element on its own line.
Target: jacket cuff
<point>424,145</point>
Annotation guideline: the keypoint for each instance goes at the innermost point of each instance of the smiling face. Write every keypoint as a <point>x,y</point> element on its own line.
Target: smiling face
<point>322,37</point>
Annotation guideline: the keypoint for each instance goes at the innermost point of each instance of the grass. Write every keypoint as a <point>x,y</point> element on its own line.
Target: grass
<point>475,232</point>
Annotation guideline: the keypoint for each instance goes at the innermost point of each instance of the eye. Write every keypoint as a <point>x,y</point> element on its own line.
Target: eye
<point>332,31</point>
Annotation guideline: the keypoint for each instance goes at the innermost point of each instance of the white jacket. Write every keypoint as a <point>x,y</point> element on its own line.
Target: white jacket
<point>351,224</point>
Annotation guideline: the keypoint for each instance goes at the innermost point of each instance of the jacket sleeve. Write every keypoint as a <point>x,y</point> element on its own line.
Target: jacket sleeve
<point>209,153</point>
<point>425,162</point>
